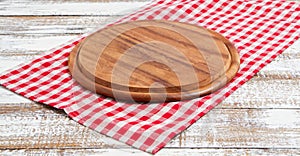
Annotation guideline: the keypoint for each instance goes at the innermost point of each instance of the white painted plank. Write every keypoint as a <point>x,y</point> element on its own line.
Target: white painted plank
<point>8,97</point>
<point>52,25</point>
<point>55,8</point>
<point>265,93</point>
<point>26,44</point>
<point>253,128</point>
<point>282,69</point>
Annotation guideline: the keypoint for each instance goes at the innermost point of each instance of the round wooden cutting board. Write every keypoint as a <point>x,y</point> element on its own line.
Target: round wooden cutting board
<point>154,61</point>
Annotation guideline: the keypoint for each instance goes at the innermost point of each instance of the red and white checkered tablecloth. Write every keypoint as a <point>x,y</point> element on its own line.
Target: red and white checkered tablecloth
<point>260,29</point>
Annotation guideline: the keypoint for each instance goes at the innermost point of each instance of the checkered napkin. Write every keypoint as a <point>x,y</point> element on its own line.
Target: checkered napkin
<point>260,30</point>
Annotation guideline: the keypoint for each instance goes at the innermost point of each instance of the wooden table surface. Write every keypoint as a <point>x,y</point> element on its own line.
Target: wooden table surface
<point>261,117</point>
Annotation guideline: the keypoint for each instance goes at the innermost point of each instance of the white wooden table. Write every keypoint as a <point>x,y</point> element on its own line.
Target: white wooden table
<point>262,117</point>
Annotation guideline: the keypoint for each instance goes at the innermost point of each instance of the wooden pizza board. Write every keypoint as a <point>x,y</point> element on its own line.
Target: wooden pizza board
<point>154,61</point>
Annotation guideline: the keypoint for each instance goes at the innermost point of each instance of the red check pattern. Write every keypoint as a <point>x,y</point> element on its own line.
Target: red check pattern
<point>260,30</point>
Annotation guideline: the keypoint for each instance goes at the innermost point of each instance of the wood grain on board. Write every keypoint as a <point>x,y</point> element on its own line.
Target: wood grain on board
<point>261,117</point>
